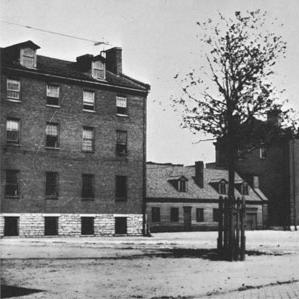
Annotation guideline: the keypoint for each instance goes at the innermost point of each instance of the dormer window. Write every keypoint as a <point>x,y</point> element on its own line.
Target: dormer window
<point>98,70</point>
<point>182,185</point>
<point>244,189</point>
<point>28,58</point>
<point>179,183</point>
<point>222,188</point>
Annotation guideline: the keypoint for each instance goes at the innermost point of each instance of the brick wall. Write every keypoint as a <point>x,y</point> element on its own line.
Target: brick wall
<point>33,160</point>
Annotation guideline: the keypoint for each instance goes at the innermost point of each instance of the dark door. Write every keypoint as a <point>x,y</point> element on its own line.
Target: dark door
<point>120,225</point>
<point>11,226</point>
<point>51,226</point>
<point>187,218</point>
<point>251,221</point>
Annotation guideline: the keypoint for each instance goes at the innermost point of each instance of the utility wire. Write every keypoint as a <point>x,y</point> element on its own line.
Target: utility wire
<point>95,43</point>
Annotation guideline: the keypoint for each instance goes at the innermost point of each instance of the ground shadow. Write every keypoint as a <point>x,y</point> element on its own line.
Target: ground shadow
<point>209,254</point>
<point>14,291</point>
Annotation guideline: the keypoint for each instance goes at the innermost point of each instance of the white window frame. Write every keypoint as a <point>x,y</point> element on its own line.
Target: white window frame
<point>55,96</point>
<point>122,102</point>
<point>10,90</point>
<point>89,103</point>
<point>85,139</point>
<point>25,55</point>
<point>96,70</point>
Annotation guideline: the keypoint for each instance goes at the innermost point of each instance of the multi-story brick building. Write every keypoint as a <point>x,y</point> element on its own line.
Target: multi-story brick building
<point>187,197</point>
<point>276,164</point>
<point>72,145</point>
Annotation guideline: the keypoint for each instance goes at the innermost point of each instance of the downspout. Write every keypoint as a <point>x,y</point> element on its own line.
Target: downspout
<point>294,183</point>
<point>144,222</point>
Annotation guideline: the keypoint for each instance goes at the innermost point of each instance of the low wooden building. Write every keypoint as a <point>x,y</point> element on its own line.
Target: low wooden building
<point>185,198</point>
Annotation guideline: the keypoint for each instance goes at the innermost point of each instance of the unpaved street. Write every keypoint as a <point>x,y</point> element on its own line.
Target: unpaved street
<point>171,265</point>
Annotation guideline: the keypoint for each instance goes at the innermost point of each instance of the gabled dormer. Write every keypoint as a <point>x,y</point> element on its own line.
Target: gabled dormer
<point>180,183</point>
<point>23,53</point>
<point>242,188</point>
<point>94,66</point>
<point>221,186</point>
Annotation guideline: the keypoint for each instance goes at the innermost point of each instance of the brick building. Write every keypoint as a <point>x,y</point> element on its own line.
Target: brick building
<point>72,145</point>
<point>185,198</point>
<point>276,163</point>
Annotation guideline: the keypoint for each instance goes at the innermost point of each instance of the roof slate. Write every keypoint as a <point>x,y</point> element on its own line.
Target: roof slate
<point>158,186</point>
<point>69,69</point>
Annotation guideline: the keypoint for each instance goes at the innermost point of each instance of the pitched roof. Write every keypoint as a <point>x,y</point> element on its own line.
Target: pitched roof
<point>70,69</point>
<point>158,186</point>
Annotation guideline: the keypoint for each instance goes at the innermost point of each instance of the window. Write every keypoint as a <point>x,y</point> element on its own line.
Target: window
<point>51,226</point>
<point>155,214</point>
<point>263,152</point>
<point>87,225</point>
<point>28,58</point>
<point>88,100</point>
<point>182,185</point>
<point>98,70</point>
<point>222,188</point>
<point>11,226</point>
<point>120,225</point>
<point>12,183</point>
<point>174,214</point>
<point>51,185</point>
<point>199,215</point>
<point>121,105</point>
<point>13,89</point>
<point>88,139</point>
<point>52,135</point>
<point>87,186</point>
<point>120,188</point>
<point>216,215</point>
<point>12,131</point>
<point>53,95</point>
<point>121,143</point>
<point>244,189</point>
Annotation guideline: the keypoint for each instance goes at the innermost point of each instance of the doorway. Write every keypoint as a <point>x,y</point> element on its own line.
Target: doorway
<point>187,218</point>
<point>11,226</point>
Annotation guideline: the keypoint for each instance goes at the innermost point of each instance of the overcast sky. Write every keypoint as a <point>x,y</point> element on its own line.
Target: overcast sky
<point>158,40</point>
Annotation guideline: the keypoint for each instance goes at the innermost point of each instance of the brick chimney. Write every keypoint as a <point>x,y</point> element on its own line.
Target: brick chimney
<point>114,60</point>
<point>199,173</point>
<point>274,117</point>
<point>84,62</point>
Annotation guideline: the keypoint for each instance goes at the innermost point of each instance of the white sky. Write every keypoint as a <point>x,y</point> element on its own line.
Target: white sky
<point>158,40</point>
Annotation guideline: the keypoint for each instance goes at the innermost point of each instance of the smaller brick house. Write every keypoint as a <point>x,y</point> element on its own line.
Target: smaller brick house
<point>185,198</point>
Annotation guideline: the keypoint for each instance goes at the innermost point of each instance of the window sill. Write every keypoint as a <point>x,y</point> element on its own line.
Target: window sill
<point>51,198</point>
<point>86,110</point>
<point>11,197</point>
<point>52,148</point>
<point>122,115</point>
<point>53,106</point>
<point>14,144</point>
<point>13,100</point>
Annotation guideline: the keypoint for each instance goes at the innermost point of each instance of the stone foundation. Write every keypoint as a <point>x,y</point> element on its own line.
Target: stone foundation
<point>32,224</point>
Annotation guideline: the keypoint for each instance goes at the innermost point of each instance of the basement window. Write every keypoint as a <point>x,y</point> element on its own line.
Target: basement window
<point>120,225</point>
<point>11,226</point>
<point>87,225</point>
<point>51,226</point>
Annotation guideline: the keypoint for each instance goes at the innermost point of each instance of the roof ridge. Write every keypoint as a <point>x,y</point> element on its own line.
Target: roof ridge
<point>136,81</point>
<point>55,58</point>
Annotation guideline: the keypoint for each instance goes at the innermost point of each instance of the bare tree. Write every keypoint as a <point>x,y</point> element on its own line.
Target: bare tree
<point>233,86</point>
